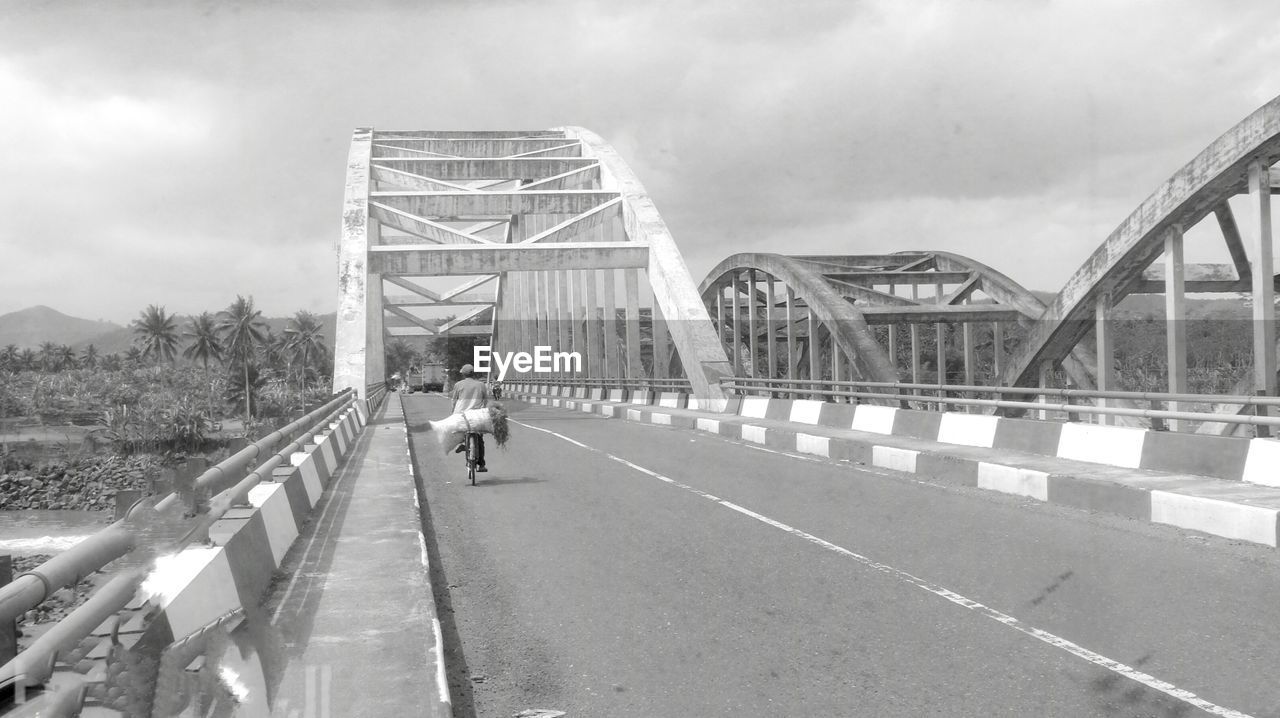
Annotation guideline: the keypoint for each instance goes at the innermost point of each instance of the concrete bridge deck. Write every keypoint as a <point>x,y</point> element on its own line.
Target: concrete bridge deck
<point>625,569</point>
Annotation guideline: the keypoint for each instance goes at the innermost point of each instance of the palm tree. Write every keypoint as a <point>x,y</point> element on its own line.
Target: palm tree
<point>66,357</point>
<point>9,357</point>
<point>27,359</point>
<point>157,333</point>
<point>48,356</point>
<point>205,345</point>
<point>241,328</point>
<point>305,341</point>
<point>134,356</point>
<point>89,358</point>
<point>111,362</point>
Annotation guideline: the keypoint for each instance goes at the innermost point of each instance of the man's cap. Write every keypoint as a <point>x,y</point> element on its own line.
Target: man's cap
<point>466,369</point>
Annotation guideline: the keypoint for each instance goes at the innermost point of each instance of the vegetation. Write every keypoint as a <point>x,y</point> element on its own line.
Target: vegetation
<point>149,401</point>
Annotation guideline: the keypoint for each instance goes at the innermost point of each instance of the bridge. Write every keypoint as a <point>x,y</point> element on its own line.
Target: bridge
<point>893,484</point>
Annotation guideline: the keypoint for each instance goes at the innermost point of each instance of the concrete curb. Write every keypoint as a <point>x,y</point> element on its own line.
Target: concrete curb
<point>1120,470</point>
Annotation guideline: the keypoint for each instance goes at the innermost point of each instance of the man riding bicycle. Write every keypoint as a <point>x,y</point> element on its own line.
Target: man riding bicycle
<point>469,393</point>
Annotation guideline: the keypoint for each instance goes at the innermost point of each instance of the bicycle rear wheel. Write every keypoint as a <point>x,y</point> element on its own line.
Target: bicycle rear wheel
<point>472,451</point>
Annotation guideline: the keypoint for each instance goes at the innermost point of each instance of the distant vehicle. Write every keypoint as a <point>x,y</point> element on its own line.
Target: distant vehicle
<point>427,377</point>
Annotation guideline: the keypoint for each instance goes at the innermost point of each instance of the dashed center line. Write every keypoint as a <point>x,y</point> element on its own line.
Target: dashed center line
<point>1003,618</point>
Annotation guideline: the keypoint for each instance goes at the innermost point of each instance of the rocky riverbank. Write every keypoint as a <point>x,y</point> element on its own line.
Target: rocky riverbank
<point>89,484</point>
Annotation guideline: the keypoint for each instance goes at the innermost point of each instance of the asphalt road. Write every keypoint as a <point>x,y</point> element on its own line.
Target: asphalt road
<point>649,571</point>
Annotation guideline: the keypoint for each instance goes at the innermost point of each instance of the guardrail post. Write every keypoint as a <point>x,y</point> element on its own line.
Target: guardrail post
<point>1262,431</point>
<point>1158,424</point>
<point>8,629</point>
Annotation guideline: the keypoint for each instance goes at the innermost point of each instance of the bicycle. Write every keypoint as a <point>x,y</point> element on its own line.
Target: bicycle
<point>473,448</point>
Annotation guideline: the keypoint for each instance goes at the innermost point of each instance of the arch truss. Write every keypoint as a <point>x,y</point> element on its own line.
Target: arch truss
<point>533,238</point>
<point>871,317</point>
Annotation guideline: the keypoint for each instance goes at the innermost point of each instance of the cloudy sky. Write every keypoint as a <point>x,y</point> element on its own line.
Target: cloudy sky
<point>179,153</point>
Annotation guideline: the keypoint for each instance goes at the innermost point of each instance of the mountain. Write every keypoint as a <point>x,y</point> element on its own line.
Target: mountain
<point>28,328</point>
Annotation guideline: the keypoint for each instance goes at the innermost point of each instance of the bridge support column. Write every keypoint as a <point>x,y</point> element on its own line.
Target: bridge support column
<point>612,366</point>
<point>631,280</point>
<point>753,326</point>
<point>358,360</point>
<point>1106,374</point>
<point>735,346</point>
<point>593,358</point>
<point>771,360</point>
<point>1257,226</point>
<point>791,340</point>
<point>661,347</point>
<point>1175,316</point>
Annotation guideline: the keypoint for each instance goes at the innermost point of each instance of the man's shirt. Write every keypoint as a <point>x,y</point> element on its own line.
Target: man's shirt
<point>469,394</point>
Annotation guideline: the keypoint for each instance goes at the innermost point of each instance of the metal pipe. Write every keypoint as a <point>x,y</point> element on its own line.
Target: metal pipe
<point>214,475</point>
<point>34,665</point>
<point>31,588</point>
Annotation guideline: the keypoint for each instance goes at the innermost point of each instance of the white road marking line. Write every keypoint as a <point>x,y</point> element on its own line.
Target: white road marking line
<point>1041,635</point>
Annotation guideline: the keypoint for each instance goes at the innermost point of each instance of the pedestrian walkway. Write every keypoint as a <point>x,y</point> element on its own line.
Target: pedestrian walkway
<point>358,610</point>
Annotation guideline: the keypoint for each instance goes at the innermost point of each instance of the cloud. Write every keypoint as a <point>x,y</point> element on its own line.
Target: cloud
<point>181,153</point>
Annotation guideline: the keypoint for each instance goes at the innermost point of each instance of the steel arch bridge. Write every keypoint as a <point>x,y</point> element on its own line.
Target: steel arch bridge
<point>553,237</point>
<point>544,221</point>
<point>769,306</point>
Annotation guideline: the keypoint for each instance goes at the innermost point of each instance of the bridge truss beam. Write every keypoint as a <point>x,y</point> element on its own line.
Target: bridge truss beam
<point>578,257</point>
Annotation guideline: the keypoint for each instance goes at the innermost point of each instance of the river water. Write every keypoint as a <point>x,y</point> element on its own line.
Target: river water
<point>47,532</point>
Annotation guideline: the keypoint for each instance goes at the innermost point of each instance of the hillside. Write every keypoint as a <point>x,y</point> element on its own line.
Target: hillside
<point>29,328</point>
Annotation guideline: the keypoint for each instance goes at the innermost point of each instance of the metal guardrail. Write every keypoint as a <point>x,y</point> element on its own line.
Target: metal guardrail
<point>954,395</point>
<point>1073,401</point>
<point>35,664</point>
<point>643,383</point>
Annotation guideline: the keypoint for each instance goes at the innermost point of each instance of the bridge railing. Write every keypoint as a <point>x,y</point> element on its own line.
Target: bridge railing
<point>232,475</point>
<point>641,383</point>
<point>1071,403</point>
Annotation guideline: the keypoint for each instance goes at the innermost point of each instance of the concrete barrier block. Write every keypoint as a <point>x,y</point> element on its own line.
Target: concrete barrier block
<point>608,410</point>
<point>917,424</point>
<point>810,444</point>
<point>754,407</point>
<point>1033,437</point>
<point>670,399</point>
<point>198,588</point>
<point>616,395</point>
<point>658,417</point>
<point>710,425</point>
<point>1263,463</point>
<point>891,457</point>
<point>306,467</point>
<point>806,411</point>
<point>968,429</point>
<point>837,415</point>
<point>1224,457</point>
<point>1091,495</point>
<point>339,440</point>
<point>874,419</point>
<point>641,396</point>
<point>325,445</point>
<point>272,502</point>
<point>1114,445</point>
<point>1222,518</point>
<point>719,406</point>
<point>755,434</point>
<point>1013,480</point>
<point>779,409</point>
<point>634,415</point>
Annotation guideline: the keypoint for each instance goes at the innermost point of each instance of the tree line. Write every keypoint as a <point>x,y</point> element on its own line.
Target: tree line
<point>237,339</point>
